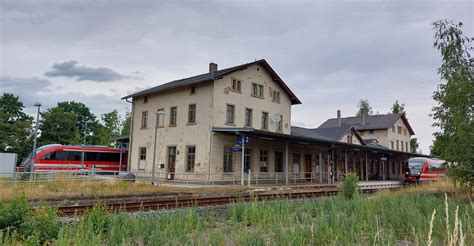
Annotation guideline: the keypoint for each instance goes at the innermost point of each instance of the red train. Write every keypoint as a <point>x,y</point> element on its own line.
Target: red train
<point>57,157</point>
<point>422,169</point>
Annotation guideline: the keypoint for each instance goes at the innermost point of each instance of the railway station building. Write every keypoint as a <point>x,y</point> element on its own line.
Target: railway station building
<point>234,124</point>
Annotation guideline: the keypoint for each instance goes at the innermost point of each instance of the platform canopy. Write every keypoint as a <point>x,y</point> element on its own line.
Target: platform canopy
<point>302,138</point>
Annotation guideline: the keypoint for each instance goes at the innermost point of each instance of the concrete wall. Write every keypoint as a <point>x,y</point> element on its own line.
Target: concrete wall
<point>380,135</point>
<point>211,100</point>
<point>355,140</point>
<point>385,136</point>
<point>403,137</point>
<point>7,164</point>
<point>253,74</point>
<point>181,135</point>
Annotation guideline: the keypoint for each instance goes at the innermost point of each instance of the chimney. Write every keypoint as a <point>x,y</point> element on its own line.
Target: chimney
<point>212,67</point>
<point>339,120</point>
<point>364,117</point>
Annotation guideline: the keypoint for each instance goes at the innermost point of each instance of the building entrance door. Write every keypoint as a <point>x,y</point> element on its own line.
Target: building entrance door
<point>171,162</point>
<point>308,168</point>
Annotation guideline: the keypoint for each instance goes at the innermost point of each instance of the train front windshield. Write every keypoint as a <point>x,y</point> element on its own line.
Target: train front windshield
<point>27,161</point>
<point>415,166</point>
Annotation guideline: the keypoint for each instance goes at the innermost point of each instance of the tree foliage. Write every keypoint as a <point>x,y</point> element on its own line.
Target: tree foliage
<point>16,127</point>
<point>126,124</point>
<point>414,145</point>
<point>398,108</point>
<point>364,106</point>
<point>454,114</point>
<point>82,115</point>
<point>57,127</point>
<point>110,127</point>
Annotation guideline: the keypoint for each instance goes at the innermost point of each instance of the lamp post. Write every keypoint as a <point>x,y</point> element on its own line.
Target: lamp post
<point>38,104</point>
<point>84,144</point>
<point>158,113</point>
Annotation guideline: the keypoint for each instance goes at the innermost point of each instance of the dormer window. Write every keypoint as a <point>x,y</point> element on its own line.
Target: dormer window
<point>236,85</point>
<point>349,139</point>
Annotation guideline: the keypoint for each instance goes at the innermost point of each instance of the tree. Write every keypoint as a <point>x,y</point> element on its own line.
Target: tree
<point>83,114</point>
<point>454,114</point>
<point>438,146</point>
<point>364,106</point>
<point>110,127</point>
<point>414,145</point>
<point>16,127</point>
<point>398,108</point>
<point>57,127</point>
<point>126,124</point>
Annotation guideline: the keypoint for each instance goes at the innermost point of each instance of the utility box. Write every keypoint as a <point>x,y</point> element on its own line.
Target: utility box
<point>7,164</point>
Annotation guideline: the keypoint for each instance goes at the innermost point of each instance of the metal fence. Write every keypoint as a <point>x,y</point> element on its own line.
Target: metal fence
<point>262,178</point>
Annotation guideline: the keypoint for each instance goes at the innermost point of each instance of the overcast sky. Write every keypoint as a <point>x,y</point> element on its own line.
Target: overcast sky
<point>330,53</point>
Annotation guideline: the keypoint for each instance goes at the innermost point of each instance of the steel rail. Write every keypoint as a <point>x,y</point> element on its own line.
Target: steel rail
<point>178,202</point>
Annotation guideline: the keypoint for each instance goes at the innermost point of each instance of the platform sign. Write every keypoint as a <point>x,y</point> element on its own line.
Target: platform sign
<point>246,140</point>
<point>121,147</point>
<point>237,148</point>
<point>383,158</point>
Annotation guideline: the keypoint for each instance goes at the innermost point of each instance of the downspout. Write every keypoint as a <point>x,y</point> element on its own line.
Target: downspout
<point>129,157</point>
<point>211,123</point>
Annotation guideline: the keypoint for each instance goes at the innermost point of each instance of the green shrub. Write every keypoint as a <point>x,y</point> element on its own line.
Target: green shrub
<point>350,186</point>
<point>14,214</point>
<point>18,220</point>
<point>44,224</point>
<point>98,218</point>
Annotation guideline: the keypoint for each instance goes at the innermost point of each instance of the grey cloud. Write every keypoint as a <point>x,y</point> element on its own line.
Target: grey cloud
<point>24,85</point>
<point>31,90</point>
<point>70,69</point>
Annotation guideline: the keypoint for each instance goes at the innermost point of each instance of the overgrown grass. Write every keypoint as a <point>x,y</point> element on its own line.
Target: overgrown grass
<point>350,186</point>
<point>384,218</point>
<point>78,188</point>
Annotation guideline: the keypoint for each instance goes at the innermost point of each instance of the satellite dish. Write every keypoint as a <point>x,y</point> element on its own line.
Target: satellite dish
<point>276,118</point>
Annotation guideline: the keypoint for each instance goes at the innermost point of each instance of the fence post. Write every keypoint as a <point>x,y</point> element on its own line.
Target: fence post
<point>250,177</point>
<point>15,174</point>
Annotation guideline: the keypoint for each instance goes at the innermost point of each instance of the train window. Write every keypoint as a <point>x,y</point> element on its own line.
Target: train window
<point>61,156</point>
<point>109,157</point>
<point>74,155</point>
<point>49,156</point>
<point>437,166</point>
<point>90,156</point>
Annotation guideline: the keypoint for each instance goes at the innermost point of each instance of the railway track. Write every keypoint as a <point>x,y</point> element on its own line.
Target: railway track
<point>157,203</point>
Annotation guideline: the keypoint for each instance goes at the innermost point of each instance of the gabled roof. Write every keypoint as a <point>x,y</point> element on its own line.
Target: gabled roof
<point>206,77</point>
<point>308,133</point>
<point>373,122</point>
<point>333,133</point>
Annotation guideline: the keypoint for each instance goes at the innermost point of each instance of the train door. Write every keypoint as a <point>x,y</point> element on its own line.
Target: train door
<point>171,161</point>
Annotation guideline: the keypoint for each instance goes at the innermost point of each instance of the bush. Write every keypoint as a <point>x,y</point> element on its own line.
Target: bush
<point>15,214</point>
<point>98,218</point>
<point>17,218</point>
<point>44,224</point>
<point>350,186</point>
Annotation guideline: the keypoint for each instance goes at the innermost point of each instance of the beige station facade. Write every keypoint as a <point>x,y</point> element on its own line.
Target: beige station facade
<point>201,119</point>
